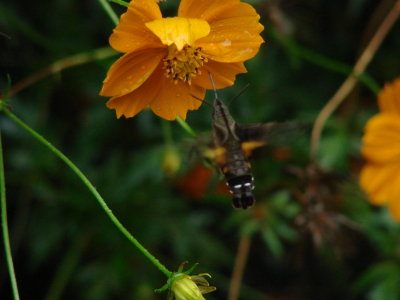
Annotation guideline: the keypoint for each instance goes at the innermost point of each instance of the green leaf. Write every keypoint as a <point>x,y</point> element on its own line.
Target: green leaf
<point>272,241</point>
<point>377,273</point>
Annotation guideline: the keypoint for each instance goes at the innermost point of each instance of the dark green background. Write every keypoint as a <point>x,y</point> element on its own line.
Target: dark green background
<point>65,247</point>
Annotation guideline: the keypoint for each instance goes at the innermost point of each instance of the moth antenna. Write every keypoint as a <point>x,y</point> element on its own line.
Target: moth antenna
<point>201,100</point>
<point>239,94</point>
<point>213,85</point>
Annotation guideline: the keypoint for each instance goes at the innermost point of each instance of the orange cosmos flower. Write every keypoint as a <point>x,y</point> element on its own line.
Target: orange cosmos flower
<point>380,177</point>
<point>167,60</point>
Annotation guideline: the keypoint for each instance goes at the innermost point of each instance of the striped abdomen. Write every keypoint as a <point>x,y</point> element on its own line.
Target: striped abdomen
<point>238,176</point>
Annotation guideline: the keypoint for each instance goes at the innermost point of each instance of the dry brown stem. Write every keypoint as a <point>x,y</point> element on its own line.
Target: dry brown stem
<point>60,65</point>
<point>351,80</point>
<point>238,269</point>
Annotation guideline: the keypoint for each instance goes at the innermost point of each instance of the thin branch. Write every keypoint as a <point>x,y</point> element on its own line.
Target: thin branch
<point>351,80</point>
<point>239,267</point>
<point>58,66</point>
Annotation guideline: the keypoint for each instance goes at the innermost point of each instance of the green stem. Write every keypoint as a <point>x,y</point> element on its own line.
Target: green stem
<point>4,224</point>
<point>186,126</point>
<point>336,66</point>
<point>66,268</point>
<point>322,61</point>
<point>120,2</point>
<point>166,126</point>
<point>110,12</point>
<point>92,189</point>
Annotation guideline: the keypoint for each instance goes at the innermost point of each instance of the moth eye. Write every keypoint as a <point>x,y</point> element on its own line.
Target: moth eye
<point>247,184</point>
<point>237,186</point>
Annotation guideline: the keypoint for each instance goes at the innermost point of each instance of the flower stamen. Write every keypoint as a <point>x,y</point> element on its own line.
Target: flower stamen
<point>185,64</point>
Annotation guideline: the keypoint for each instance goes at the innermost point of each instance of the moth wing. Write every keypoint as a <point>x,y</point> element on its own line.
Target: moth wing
<point>249,146</point>
<point>271,133</point>
<point>217,155</point>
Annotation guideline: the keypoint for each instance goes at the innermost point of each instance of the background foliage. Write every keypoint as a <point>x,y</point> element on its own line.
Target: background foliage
<point>64,246</point>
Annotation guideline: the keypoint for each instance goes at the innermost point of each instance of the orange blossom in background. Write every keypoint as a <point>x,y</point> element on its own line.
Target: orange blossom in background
<point>380,177</point>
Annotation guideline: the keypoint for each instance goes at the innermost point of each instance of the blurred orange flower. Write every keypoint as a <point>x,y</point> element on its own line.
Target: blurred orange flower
<point>167,60</point>
<point>380,177</point>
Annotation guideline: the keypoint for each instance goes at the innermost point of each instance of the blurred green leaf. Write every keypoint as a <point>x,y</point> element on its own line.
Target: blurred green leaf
<point>272,241</point>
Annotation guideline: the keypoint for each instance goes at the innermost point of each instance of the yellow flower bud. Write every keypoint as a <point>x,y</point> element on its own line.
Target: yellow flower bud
<point>171,160</point>
<point>184,288</point>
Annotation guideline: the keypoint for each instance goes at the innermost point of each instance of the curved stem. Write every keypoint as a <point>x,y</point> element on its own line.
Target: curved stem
<point>322,61</point>
<point>62,64</point>
<point>4,224</point>
<point>110,12</point>
<point>186,126</point>
<point>351,80</point>
<point>92,189</point>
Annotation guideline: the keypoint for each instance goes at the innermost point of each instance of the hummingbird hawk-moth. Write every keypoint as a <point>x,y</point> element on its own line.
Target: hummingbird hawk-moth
<point>230,142</point>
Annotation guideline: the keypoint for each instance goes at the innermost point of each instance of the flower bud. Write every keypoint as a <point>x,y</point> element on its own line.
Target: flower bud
<point>171,160</point>
<point>186,287</point>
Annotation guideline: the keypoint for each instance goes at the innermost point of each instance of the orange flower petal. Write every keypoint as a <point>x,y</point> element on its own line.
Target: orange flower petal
<point>223,74</point>
<point>179,31</point>
<point>394,208</point>
<point>381,182</point>
<point>375,180</point>
<point>131,104</point>
<point>381,142</point>
<point>235,28</point>
<point>130,71</point>
<point>394,198</point>
<point>225,45</point>
<point>208,10</point>
<point>175,100</point>
<point>131,34</point>
<point>389,98</point>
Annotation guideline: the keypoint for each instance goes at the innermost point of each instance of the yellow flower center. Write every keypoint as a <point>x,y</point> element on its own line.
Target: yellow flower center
<point>184,64</point>
<point>184,60</point>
